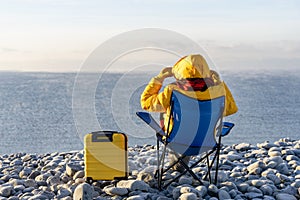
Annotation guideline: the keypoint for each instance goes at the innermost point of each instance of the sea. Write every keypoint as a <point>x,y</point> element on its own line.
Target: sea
<point>52,112</point>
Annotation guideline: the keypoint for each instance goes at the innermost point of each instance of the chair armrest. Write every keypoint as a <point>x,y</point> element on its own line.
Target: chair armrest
<point>227,126</point>
<point>146,117</point>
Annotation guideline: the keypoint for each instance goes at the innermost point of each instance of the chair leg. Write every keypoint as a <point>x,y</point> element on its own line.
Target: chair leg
<point>161,167</point>
<point>209,166</point>
<point>217,164</point>
<point>208,169</point>
<point>190,171</point>
<point>218,159</point>
<point>157,169</point>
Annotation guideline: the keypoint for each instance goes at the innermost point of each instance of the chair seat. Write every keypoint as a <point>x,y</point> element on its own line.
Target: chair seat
<point>190,150</point>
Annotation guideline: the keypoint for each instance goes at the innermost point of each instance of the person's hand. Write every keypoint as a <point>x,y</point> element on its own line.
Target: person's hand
<point>164,73</point>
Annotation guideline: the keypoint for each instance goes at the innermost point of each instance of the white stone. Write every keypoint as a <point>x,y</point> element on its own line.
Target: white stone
<point>83,192</point>
<point>202,190</point>
<point>188,196</point>
<point>115,191</point>
<point>274,153</point>
<point>133,185</point>
<point>255,165</point>
<point>79,174</point>
<point>212,190</point>
<point>257,182</point>
<point>243,147</point>
<point>186,189</point>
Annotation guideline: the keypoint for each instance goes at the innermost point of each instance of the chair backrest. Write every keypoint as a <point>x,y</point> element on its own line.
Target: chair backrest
<point>195,123</point>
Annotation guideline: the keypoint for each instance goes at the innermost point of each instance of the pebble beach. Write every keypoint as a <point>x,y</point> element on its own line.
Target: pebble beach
<point>269,171</point>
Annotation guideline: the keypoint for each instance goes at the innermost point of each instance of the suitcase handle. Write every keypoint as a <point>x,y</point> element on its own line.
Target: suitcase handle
<point>102,137</point>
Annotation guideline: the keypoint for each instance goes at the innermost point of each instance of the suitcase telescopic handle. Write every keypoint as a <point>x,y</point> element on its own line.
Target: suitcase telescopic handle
<point>101,137</point>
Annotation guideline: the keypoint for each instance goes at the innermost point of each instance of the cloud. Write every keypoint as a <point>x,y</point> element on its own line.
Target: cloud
<point>281,54</point>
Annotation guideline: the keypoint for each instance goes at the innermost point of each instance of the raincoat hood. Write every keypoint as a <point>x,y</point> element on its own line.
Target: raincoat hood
<point>192,66</point>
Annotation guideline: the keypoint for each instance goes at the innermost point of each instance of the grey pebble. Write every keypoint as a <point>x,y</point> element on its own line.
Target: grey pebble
<point>283,168</point>
<point>38,197</point>
<point>252,195</point>
<point>223,195</point>
<point>266,190</point>
<point>284,196</point>
<point>6,190</point>
<point>212,190</point>
<point>185,180</point>
<point>72,168</point>
<point>34,174</point>
<point>243,187</point>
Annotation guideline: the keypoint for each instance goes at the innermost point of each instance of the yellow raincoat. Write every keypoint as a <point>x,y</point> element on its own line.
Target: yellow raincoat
<point>192,66</point>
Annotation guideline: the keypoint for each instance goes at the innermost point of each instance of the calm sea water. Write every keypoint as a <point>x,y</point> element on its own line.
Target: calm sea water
<point>37,113</point>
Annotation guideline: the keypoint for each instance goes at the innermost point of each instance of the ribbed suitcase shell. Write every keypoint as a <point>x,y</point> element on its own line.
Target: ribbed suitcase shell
<point>105,156</point>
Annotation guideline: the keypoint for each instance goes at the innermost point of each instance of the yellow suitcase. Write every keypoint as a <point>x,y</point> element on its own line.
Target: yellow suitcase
<point>105,156</point>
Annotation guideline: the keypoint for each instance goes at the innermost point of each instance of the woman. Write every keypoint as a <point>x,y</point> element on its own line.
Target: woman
<point>194,79</point>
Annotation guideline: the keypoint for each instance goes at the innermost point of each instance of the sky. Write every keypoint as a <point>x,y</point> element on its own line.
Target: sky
<point>56,36</point>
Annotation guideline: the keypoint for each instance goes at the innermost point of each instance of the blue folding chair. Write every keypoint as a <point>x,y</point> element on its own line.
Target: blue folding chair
<point>197,130</point>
